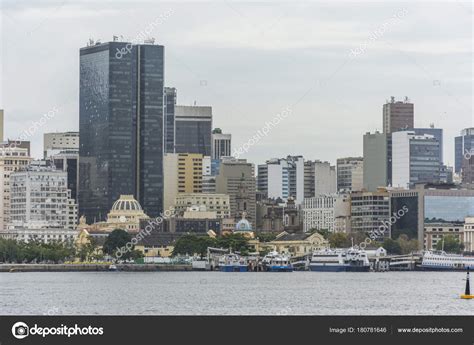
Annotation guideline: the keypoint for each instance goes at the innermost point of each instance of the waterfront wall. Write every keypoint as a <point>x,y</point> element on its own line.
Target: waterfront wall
<point>91,267</point>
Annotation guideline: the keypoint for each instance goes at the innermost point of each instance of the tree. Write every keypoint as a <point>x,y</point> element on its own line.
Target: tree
<point>392,246</point>
<point>266,236</point>
<point>116,240</point>
<point>451,244</point>
<point>407,246</point>
<point>339,240</point>
<point>235,242</point>
<point>193,244</point>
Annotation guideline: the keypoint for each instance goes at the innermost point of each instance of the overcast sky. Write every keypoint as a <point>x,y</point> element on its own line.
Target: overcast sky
<point>250,61</point>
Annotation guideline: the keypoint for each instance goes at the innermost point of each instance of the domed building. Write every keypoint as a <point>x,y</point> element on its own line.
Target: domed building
<point>244,227</point>
<point>125,214</point>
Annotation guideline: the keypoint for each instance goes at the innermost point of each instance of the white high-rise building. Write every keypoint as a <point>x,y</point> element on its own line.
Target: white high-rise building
<point>221,144</point>
<point>322,211</point>
<point>40,199</point>
<point>283,178</point>
<point>415,159</point>
<point>325,178</point>
<point>11,159</point>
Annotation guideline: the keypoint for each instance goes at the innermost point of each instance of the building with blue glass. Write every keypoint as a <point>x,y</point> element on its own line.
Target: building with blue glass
<point>463,147</point>
<point>121,102</point>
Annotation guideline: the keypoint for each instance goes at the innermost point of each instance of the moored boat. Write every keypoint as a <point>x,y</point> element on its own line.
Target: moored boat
<point>438,260</point>
<point>275,262</point>
<point>339,260</point>
<point>232,263</point>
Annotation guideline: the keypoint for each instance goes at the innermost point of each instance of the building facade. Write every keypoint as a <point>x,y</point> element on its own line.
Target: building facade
<point>170,99</point>
<point>218,203</point>
<point>193,129</point>
<point>369,211</point>
<point>350,172</point>
<point>182,174</point>
<point>54,143</point>
<point>40,199</point>
<point>221,144</point>
<point>282,178</point>
<point>435,232</point>
<point>121,102</point>
<point>237,179</point>
<point>415,159</point>
<point>11,159</point>
<point>376,166</point>
<point>463,146</point>
<point>397,115</point>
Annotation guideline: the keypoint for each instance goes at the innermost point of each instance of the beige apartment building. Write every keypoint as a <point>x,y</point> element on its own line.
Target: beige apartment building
<point>182,174</point>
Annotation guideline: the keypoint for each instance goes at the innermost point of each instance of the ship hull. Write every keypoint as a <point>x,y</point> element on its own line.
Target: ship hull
<point>233,268</point>
<point>275,268</point>
<point>338,268</point>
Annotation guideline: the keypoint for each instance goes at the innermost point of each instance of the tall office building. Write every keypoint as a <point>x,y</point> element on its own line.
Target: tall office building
<point>182,174</point>
<point>237,179</point>
<point>193,126</point>
<point>67,161</point>
<point>370,210</point>
<point>54,143</point>
<point>320,178</point>
<point>350,174</point>
<point>437,133</point>
<point>170,103</point>
<point>11,159</point>
<point>221,144</point>
<point>375,161</point>
<point>398,115</point>
<point>282,178</point>
<point>463,147</point>
<point>415,159</point>
<point>121,124</point>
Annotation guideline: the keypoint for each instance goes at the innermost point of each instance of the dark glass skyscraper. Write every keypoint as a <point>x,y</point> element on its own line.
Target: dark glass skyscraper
<point>193,129</point>
<point>170,103</point>
<point>121,126</point>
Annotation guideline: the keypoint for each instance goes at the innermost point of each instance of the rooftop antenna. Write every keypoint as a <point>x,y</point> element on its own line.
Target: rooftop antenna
<point>407,99</point>
<point>392,99</point>
<point>432,125</point>
<point>115,38</point>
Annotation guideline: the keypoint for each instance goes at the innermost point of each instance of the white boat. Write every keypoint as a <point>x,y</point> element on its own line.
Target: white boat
<point>232,263</point>
<point>276,262</point>
<point>438,260</point>
<point>339,260</point>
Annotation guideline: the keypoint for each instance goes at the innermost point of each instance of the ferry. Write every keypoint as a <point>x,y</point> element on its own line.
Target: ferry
<point>275,262</point>
<point>232,263</point>
<point>339,260</point>
<point>438,260</point>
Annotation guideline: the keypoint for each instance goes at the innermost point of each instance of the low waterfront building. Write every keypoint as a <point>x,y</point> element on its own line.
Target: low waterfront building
<point>158,244</point>
<point>295,244</point>
<point>45,235</point>
<point>435,232</point>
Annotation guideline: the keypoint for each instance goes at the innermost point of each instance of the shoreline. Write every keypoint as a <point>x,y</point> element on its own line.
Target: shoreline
<point>18,268</point>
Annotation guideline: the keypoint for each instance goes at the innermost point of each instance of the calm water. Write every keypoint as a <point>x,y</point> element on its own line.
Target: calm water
<point>191,293</point>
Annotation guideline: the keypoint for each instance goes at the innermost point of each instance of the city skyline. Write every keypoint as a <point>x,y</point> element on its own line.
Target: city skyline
<point>203,69</point>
